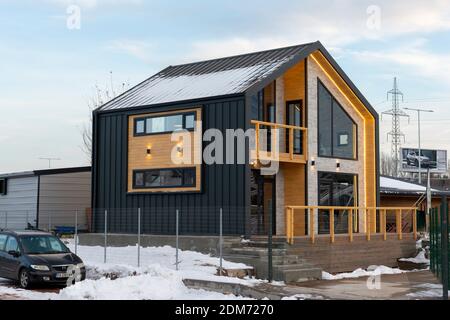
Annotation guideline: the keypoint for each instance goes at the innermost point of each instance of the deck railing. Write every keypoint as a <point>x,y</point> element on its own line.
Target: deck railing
<point>271,150</point>
<point>374,218</point>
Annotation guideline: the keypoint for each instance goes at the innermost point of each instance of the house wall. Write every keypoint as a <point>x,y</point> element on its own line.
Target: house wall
<point>61,196</point>
<point>366,175</point>
<point>161,157</point>
<point>18,206</point>
<point>223,185</point>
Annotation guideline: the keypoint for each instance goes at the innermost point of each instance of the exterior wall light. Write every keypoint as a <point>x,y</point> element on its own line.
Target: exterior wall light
<point>149,151</point>
<point>180,149</point>
<point>338,165</point>
<point>313,163</point>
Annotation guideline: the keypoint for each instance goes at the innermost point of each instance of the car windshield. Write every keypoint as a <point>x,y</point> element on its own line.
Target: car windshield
<point>42,244</point>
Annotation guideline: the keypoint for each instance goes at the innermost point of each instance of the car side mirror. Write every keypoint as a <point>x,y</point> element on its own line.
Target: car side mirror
<point>14,253</point>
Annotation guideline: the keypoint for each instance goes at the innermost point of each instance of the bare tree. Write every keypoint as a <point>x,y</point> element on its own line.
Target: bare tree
<point>99,98</point>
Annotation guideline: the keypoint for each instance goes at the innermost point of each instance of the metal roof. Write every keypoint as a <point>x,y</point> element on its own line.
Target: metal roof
<point>204,79</point>
<point>44,172</point>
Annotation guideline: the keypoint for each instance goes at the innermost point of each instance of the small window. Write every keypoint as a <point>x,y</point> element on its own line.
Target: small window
<point>164,124</point>
<point>140,126</point>
<point>164,178</point>
<point>2,187</point>
<point>12,245</point>
<point>189,121</point>
<point>3,238</point>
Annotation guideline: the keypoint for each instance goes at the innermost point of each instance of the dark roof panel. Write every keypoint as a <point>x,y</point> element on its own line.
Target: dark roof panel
<point>211,78</point>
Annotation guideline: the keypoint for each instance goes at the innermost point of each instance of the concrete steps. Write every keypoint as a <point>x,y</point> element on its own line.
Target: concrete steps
<point>286,267</point>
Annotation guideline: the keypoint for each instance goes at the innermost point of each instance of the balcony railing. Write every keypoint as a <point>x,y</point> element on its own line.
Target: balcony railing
<point>376,220</point>
<point>280,142</point>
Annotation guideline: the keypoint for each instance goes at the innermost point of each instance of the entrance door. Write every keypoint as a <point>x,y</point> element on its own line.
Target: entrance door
<point>262,203</point>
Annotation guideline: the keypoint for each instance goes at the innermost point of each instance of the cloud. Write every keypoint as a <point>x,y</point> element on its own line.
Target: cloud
<point>92,4</point>
<point>414,57</point>
<point>337,24</point>
<point>141,50</point>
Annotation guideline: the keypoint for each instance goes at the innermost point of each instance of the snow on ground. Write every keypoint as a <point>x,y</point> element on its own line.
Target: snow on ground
<point>157,278</point>
<point>371,271</point>
<point>431,290</point>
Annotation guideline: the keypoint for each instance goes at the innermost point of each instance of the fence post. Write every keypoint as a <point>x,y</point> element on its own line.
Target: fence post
<point>49,222</point>
<point>6,219</point>
<point>139,239</point>
<point>76,231</point>
<point>444,247</point>
<point>221,240</point>
<point>106,236</point>
<point>27,220</point>
<point>269,247</point>
<point>176,251</point>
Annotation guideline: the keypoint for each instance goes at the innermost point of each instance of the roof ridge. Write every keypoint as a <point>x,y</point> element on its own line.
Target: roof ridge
<point>239,55</point>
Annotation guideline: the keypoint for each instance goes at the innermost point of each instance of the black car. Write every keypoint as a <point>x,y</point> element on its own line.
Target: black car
<point>31,257</point>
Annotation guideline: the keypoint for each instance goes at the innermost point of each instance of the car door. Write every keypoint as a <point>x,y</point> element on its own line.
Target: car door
<point>3,238</point>
<point>12,263</point>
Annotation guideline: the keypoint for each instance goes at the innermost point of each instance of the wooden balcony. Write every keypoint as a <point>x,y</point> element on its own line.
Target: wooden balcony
<point>279,142</point>
<point>376,220</point>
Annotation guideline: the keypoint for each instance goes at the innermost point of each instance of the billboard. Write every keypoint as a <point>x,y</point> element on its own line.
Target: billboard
<point>435,160</point>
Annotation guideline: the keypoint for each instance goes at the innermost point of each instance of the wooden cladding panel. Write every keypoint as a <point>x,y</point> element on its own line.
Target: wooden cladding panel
<point>294,192</point>
<point>162,147</point>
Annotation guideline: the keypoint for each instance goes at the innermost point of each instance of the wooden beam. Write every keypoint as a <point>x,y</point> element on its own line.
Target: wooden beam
<point>350,224</point>
<point>332,225</point>
<point>414,212</point>
<point>311,225</point>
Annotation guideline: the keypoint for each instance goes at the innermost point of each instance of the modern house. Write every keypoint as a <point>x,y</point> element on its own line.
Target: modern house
<point>333,139</point>
<point>309,167</point>
<point>45,198</point>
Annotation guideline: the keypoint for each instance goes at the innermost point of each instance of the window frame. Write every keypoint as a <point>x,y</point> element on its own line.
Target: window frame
<point>183,184</point>
<point>355,127</point>
<point>17,241</point>
<point>164,115</point>
<point>355,187</point>
<point>4,189</point>
<point>2,249</point>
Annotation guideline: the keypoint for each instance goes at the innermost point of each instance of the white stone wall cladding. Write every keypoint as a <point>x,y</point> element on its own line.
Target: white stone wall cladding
<point>279,178</point>
<point>329,164</point>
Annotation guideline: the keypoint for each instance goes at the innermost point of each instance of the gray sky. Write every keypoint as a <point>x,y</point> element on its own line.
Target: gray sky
<point>49,71</point>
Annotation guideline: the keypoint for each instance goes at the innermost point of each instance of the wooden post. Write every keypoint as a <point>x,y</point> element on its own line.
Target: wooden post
<point>305,143</point>
<point>332,225</point>
<point>274,146</point>
<point>384,225</point>
<point>311,225</point>
<point>286,218</point>
<point>292,225</point>
<point>291,143</point>
<point>367,223</point>
<point>350,224</point>
<point>414,223</point>
<point>398,223</point>
<point>257,140</point>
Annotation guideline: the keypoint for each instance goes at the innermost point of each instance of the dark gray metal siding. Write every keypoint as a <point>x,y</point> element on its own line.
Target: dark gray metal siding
<point>222,185</point>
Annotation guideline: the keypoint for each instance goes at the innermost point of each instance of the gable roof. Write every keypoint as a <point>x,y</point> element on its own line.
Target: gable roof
<point>228,76</point>
<point>44,172</point>
<point>211,78</point>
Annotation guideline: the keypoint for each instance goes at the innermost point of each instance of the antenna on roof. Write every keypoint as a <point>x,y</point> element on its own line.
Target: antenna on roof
<point>50,161</point>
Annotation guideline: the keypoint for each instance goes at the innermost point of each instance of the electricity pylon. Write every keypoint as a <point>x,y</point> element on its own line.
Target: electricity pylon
<point>396,134</point>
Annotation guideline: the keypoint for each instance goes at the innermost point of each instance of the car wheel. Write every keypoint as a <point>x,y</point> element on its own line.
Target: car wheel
<point>24,279</point>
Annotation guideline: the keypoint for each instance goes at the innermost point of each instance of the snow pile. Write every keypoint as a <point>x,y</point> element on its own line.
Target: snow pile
<point>157,278</point>
<point>303,296</point>
<point>371,271</point>
<point>419,259</point>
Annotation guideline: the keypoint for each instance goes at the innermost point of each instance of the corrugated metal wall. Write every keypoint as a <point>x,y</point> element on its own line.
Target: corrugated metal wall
<point>61,195</point>
<point>222,185</point>
<point>18,206</point>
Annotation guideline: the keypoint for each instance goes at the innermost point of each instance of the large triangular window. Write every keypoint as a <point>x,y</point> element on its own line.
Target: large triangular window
<point>337,131</point>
